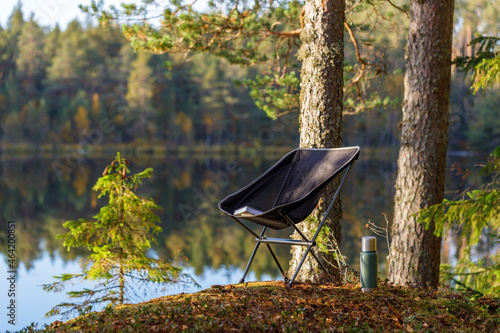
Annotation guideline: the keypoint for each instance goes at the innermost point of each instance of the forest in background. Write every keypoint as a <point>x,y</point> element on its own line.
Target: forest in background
<point>57,87</point>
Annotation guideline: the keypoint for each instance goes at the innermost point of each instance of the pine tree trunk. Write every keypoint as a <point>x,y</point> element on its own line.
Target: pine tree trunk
<point>121,219</point>
<point>121,296</point>
<point>415,252</point>
<point>321,97</point>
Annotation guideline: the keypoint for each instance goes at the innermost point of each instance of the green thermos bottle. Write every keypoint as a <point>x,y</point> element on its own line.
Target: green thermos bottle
<point>368,263</point>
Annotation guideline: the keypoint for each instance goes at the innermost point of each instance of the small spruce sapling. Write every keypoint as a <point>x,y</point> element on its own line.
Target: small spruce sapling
<point>118,239</point>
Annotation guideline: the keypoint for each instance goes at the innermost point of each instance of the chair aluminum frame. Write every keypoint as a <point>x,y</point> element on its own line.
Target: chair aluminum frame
<point>294,242</point>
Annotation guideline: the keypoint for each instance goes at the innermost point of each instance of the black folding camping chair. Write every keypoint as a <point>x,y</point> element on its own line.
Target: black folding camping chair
<point>286,194</point>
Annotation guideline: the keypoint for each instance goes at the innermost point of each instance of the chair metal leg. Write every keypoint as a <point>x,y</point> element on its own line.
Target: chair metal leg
<point>253,255</point>
<point>322,266</point>
<point>302,261</point>
<point>290,222</point>
<point>283,273</point>
<point>244,226</point>
<point>300,265</point>
<point>250,262</point>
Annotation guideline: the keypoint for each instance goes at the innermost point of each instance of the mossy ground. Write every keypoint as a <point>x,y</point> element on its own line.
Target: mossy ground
<point>271,307</point>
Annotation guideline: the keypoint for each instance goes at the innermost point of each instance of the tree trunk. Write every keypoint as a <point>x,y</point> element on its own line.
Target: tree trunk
<point>415,252</point>
<point>321,97</point>
<point>121,296</point>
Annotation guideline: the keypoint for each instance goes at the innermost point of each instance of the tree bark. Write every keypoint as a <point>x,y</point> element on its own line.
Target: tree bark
<point>321,98</point>
<point>121,278</point>
<point>415,252</point>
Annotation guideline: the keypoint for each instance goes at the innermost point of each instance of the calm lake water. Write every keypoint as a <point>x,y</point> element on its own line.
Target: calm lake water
<point>40,197</point>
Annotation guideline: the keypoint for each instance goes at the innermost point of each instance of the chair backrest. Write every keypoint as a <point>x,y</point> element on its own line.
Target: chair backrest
<point>311,169</point>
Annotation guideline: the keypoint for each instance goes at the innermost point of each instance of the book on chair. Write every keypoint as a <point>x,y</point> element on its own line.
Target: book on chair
<point>247,211</point>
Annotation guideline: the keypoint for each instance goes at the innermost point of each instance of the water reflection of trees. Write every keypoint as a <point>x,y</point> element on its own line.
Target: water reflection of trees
<point>32,194</point>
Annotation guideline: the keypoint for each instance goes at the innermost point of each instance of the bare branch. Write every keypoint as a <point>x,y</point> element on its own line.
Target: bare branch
<point>293,33</point>
<point>399,8</point>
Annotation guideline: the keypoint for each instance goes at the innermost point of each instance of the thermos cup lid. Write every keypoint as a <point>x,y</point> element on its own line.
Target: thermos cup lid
<point>368,243</point>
